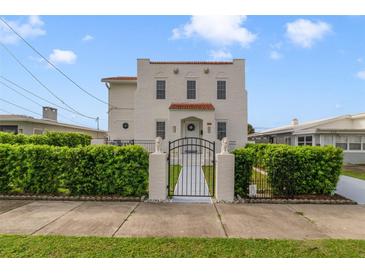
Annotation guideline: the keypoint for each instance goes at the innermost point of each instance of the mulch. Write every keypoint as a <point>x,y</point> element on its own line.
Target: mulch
<point>302,199</point>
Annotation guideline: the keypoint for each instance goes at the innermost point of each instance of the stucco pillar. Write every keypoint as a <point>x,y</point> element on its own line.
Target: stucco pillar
<point>157,183</point>
<point>224,189</point>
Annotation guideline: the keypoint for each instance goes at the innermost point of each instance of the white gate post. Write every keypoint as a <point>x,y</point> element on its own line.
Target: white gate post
<point>224,189</point>
<point>157,183</point>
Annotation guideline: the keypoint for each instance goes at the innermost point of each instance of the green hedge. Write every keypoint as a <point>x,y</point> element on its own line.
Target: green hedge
<point>243,170</point>
<point>70,139</point>
<point>291,169</point>
<point>89,170</point>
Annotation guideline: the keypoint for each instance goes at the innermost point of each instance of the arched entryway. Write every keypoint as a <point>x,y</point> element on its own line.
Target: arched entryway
<point>191,127</point>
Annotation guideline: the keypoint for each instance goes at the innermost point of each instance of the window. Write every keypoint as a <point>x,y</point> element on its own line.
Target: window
<point>160,89</point>
<point>221,130</point>
<point>191,89</point>
<point>355,143</point>
<point>221,90</point>
<point>10,129</point>
<point>160,129</point>
<point>305,140</point>
<point>38,131</point>
<point>341,142</point>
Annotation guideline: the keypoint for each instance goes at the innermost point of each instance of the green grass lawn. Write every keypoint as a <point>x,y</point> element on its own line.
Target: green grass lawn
<point>209,177</point>
<point>174,176</point>
<point>59,246</point>
<point>353,173</point>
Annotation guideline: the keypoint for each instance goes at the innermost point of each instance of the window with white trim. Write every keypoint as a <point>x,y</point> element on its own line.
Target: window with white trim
<point>354,142</point>
<point>160,89</point>
<point>341,142</point>
<point>221,130</point>
<point>305,140</point>
<point>38,131</point>
<point>221,90</point>
<point>191,89</point>
<point>161,129</point>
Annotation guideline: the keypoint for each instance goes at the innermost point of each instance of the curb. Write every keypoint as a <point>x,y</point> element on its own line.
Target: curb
<point>72,198</point>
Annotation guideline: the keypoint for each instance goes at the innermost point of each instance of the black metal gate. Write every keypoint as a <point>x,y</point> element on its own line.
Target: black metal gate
<point>191,167</point>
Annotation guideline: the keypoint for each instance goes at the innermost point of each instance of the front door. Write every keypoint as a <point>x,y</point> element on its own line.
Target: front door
<point>192,129</point>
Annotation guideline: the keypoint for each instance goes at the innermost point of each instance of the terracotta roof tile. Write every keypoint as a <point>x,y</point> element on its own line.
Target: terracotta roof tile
<point>123,78</point>
<point>192,62</point>
<point>192,106</point>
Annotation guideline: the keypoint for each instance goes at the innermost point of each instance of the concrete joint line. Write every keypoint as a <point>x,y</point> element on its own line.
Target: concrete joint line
<point>308,220</point>
<point>11,209</point>
<point>59,217</point>
<point>220,220</point>
<point>125,220</point>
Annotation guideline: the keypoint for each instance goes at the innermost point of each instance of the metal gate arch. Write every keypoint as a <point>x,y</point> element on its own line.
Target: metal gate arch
<point>191,167</point>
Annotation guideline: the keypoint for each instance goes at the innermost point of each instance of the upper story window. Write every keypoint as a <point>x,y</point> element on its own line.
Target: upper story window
<point>191,89</point>
<point>160,89</point>
<point>305,140</point>
<point>221,90</point>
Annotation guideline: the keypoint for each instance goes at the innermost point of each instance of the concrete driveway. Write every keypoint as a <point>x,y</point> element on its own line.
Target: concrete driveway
<point>138,219</point>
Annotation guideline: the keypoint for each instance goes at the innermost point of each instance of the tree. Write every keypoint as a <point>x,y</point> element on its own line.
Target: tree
<point>250,129</point>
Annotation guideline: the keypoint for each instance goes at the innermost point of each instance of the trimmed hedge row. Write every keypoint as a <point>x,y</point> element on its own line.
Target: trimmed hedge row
<point>291,169</point>
<point>89,170</point>
<point>69,139</point>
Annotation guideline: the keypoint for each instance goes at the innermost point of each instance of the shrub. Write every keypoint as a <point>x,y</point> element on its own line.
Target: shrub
<point>291,170</point>
<point>243,170</point>
<point>70,139</point>
<point>89,170</point>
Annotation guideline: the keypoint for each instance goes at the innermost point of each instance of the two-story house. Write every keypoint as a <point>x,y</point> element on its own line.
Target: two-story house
<point>179,99</point>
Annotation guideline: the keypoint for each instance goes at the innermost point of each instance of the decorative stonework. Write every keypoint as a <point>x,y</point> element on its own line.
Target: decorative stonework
<point>158,145</point>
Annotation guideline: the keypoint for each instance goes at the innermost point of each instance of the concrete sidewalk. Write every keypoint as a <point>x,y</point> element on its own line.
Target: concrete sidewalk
<point>139,219</point>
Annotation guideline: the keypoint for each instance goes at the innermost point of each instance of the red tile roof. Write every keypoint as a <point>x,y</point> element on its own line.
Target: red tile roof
<point>192,62</point>
<point>192,106</point>
<point>123,78</point>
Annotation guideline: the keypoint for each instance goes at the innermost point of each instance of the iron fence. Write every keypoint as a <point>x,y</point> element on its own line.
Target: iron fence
<point>269,183</point>
<point>149,145</point>
<point>191,167</point>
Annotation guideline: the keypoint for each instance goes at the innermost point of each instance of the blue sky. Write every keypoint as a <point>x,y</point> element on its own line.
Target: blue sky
<point>307,67</point>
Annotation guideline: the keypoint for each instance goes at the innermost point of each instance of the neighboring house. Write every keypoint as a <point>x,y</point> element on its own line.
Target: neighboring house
<point>29,125</point>
<point>346,132</point>
<point>179,99</point>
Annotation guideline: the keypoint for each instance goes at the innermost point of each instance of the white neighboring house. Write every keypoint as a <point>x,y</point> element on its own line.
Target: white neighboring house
<point>346,132</point>
<point>28,125</point>
<point>179,99</point>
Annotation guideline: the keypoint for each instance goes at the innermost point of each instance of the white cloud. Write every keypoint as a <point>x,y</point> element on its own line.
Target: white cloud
<point>275,55</point>
<point>32,28</point>
<point>361,74</point>
<point>220,54</point>
<point>59,56</point>
<point>87,37</point>
<point>360,60</point>
<point>220,30</point>
<point>305,33</point>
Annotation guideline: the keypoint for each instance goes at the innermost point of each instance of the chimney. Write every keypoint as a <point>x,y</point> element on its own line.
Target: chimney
<point>50,113</point>
<point>294,122</point>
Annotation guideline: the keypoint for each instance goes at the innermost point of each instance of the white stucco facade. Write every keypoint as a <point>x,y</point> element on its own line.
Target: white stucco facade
<point>135,105</point>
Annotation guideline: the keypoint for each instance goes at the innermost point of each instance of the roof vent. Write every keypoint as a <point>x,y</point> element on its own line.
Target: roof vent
<point>294,122</point>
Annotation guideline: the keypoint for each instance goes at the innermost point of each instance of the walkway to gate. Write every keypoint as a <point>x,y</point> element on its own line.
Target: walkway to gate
<point>192,182</point>
<point>191,168</point>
